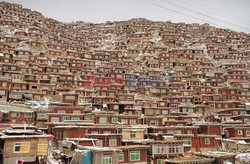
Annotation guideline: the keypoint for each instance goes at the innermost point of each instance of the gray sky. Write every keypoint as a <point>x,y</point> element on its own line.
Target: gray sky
<point>233,14</point>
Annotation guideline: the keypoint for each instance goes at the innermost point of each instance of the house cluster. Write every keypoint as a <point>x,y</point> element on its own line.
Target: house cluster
<point>127,92</point>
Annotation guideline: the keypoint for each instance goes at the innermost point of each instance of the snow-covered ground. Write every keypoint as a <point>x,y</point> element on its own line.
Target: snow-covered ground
<point>51,159</point>
<point>243,158</point>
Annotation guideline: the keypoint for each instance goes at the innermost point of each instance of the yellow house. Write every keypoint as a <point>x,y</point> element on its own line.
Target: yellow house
<point>133,133</point>
<point>17,78</point>
<point>25,146</point>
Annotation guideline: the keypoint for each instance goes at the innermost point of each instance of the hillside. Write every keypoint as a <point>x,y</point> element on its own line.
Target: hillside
<point>172,88</point>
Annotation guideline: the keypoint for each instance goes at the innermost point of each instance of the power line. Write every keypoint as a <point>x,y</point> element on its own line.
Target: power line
<point>215,10</point>
<point>226,13</point>
<point>163,7</point>
<point>204,14</point>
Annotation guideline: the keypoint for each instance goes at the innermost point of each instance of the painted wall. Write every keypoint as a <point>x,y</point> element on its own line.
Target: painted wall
<point>87,159</point>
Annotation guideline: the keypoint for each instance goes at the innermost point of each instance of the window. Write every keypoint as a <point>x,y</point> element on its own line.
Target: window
<point>42,147</point>
<point>171,150</point>
<point>187,142</point>
<point>173,105</point>
<point>4,84</point>
<point>63,77</point>
<point>98,143</point>
<point>132,121</point>
<point>76,112</point>
<point>75,118</point>
<point>130,98</point>
<point>111,94</point>
<point>65,118</point>
<point>61,111</point>
<point>153,122</point>
<point>116,107</point>
<point>246,120</point>
<point>178,149</point>
<point>243,112</point>
<point>160,149</point>
<point>13,68</point>
<point>23,147</point>
<point>170,132</point>
<point>107,159</point>
<point>24,87</point>
<point>162,103</point>
<point>121,157</point>
<point>159,161</point>
<point>132,134</point>
<point>106,132</point>
<point>102,119</point>
<point>125,121</point>
<point>15,114</point>
<point>248,133</point>
<point>235,112</point>
<point>157,149</point>
<point>207,141</point>
<point>34,87</point>
<point>112,142</point>
<point>240,132</point>
<point>177,132</point>
<point>121,98</point>
<point>134,155</point>
<point>27,115</point>
<point>16,86</point>
<point>41,115</point>
<point>7,56</point>
<point>37,97</point>
<point>87,117</point>
<point>70,97</point>
<point>55,119</point>
<point>164,111</point>
<point>114,120</point>
<point>94,132</point>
